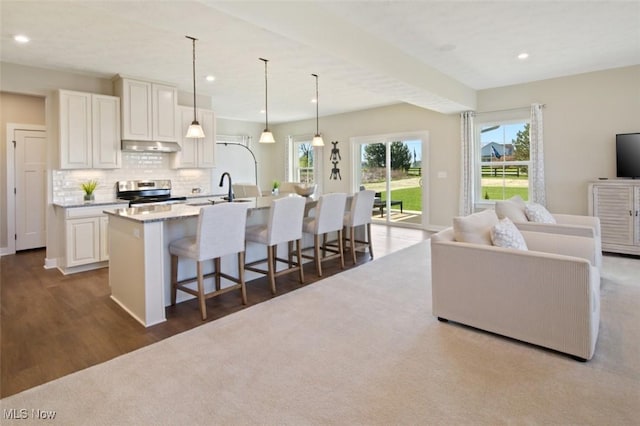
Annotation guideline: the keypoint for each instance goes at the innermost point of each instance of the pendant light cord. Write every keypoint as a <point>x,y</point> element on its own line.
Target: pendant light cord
<point>317,101</point>
<point>194,77</point>
<point>266,108</point>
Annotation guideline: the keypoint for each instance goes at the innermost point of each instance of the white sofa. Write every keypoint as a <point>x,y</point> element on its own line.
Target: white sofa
<point>548,295</point>
<point>567,224</point>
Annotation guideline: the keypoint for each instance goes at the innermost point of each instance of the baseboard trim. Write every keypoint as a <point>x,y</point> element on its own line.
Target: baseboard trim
<point>50,263</point>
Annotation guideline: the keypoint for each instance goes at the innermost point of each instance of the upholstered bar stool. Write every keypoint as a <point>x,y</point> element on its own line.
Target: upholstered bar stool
<point>244,190</point>
<point>358,215</point>
<point>221,231</point>
<point>283,226</point>
<point>329,217</point>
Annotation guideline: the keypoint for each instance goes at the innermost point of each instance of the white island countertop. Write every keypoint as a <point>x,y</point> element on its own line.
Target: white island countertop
<point>155,213</point>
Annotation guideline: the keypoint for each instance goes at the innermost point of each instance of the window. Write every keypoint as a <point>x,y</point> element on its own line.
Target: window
<point>301,165</point>
<point>503,160</point>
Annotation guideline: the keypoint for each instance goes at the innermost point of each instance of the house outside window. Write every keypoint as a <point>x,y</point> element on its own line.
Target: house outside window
<point>503,160</point>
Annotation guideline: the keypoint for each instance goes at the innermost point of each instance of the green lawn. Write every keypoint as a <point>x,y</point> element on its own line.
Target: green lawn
<point>412,197</point>
<point>495,192</point>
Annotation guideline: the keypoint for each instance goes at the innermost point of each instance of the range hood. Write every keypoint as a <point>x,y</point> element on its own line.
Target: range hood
<point>149,146</point>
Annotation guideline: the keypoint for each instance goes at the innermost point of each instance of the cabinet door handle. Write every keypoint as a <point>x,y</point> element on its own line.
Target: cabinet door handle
<point>630,214</point>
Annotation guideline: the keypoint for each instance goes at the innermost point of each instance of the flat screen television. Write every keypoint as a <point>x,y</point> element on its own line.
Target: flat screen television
<point>628,155</point>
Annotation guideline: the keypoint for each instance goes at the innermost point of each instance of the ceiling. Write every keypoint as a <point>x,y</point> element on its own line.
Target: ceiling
<point>434,54</point>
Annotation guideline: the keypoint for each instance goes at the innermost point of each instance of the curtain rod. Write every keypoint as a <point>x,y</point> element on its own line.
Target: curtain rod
<point>507,109</point>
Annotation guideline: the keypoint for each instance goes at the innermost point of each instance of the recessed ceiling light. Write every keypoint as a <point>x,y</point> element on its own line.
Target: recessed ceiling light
<point>20,38</point>
<point>314,100</point>
<point>523,56</point>
<point>210,78</point>
<point>262,111</point>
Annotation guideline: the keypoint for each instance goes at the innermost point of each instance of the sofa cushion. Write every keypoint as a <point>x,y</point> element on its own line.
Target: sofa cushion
<point>506,234</point>
<point>512,209</point>
<point>475,228</point>
<point>538,213</point>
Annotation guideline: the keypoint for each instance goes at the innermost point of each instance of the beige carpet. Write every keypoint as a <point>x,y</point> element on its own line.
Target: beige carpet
<point>360,347</point>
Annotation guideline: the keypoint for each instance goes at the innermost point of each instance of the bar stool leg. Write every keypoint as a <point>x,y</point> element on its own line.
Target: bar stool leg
<point>341,248</point>
<point>271,264</point>
<point>216,263</point>
<point>316,248</point>
<point>299,254</point>
<point>174,278</point>
<point>369,240</point>
<point>243,288</point>
<point>203,308</point>
<point>352,236</point>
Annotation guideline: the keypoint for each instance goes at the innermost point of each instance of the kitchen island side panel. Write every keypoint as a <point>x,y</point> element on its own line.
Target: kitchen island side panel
<point>134,250</point>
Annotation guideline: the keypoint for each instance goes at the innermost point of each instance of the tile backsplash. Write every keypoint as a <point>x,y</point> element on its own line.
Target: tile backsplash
<point>135,165</point>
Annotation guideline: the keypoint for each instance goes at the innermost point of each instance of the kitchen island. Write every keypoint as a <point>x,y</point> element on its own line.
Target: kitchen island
<point>140,263</point>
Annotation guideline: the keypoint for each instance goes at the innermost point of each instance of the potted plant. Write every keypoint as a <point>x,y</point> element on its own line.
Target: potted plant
<point>89,188</point>
<point>275,187</point>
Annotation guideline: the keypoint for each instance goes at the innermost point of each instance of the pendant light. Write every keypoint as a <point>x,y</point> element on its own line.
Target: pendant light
<point>317,139</point>
<point>194,130</point>
<point>266,136</point>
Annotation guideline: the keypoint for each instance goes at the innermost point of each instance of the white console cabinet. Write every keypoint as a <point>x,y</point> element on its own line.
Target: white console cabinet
<point>196,153</point>
<point>88,130</point>
<point>149,110</point>
<point>617,203</point>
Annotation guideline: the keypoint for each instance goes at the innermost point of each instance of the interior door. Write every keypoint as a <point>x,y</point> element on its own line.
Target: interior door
<point>30,188</point>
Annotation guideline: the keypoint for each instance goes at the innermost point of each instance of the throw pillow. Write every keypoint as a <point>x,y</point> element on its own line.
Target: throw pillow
<point>518,200</point>
<point>505,234</point>
<point>537,213</point>
<point>475,228</point>
<point>512,210</point>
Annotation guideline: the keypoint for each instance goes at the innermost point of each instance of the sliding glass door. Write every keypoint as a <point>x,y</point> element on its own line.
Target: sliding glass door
<point>393,168</point>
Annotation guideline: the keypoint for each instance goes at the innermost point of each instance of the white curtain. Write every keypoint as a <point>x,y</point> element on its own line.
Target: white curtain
<point>287,158</point>
<point>536,173</point>
<point>467,158</point>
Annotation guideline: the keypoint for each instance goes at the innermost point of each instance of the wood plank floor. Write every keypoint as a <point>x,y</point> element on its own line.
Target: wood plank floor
<point>52,325</point>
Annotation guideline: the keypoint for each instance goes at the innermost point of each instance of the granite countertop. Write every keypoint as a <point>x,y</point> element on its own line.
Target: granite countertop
<point>81,203</point>
<point>191,208</point>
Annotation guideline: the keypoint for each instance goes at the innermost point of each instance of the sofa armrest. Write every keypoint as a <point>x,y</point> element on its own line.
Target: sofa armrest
<point>578,220</point>
<point>558,228</point>
<point>567,245</point>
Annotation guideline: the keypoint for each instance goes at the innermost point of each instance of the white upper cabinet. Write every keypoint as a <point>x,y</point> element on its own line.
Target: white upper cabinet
<point>149,110</point>
<point>164,106</point>
<point>105,125</point>
<point>196,153</point>
<point>88,130</point>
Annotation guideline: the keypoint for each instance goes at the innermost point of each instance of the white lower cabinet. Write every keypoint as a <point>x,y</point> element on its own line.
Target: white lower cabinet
<point>617,203</point>
<point>86,240</point>
<point>83,241</point>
